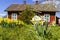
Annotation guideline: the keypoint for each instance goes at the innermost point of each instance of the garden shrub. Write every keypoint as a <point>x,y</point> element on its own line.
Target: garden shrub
<point>27,15</point>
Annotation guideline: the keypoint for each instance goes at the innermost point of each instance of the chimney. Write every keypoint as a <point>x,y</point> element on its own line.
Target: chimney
<point>37,2</point>
<point>24,2</point>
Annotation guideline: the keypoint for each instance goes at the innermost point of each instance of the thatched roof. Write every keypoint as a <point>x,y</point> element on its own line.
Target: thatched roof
<point>40,7</point>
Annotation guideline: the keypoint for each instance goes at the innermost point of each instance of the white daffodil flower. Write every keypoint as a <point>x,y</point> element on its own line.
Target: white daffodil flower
<point>37,19</point>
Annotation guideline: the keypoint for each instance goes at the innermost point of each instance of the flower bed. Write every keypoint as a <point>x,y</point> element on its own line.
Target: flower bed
<point>18,30</point>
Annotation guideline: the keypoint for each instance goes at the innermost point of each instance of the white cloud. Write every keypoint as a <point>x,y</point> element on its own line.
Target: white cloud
<point>1,15</point>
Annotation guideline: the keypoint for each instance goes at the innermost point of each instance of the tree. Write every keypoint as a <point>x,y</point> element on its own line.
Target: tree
<point>27,15</point>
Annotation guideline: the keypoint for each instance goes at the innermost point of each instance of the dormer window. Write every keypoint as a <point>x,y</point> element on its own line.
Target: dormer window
<point>14,16</point>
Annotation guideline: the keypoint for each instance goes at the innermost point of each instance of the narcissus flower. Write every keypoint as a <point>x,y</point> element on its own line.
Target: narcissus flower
<point>54,23</point>
<point>8,20</point>
<point>32,21</point>
<point>40,21</point>
<point>1,20</point>
<point>5,19</point>
<point>12,20</point>
<point>36,19</point>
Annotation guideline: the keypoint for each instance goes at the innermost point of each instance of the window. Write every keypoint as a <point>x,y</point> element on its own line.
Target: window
<point>14,16</point>
<point>47,17</point>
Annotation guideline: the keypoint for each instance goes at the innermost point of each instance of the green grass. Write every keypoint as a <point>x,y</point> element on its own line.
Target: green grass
<point>16,33</point>
<point>27,32</point>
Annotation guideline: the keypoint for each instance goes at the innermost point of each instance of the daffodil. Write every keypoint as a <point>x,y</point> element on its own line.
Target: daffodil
<point>19,22</point>
<point>8,20</point>
<point>36,19</point>
<point>12,20</point>
<point>16,21</point>
<point>5,19</point>
<point>32,21</point>
<point>1,20</point>
<point>40,21</point>
<point>54,23</point>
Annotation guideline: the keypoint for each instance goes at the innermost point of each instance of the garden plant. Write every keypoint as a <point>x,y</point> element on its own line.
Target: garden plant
<point>30,27</point>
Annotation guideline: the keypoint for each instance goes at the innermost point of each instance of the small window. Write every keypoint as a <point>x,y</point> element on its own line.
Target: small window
<point>14,16</point>
<point>47,17</point>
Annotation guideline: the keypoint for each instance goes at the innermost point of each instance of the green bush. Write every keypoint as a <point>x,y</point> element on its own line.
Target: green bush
<point>27,15</point>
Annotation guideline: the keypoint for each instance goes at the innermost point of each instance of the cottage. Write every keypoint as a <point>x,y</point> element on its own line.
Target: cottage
<point>46,10</point>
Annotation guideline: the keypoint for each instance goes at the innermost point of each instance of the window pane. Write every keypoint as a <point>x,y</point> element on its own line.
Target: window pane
<point>47,17</point>
<point>14,16</point>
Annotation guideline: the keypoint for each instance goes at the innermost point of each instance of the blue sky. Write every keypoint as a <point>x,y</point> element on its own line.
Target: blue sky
<point>5,3</point>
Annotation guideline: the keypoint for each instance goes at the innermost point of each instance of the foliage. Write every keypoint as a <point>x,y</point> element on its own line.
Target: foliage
<point>47,32</point>
<point>16,30</point>
<point>44,31</point>
<point>26,32</point>
<point>5,22</point>
<point>27,15</point>
<point>21,31</point>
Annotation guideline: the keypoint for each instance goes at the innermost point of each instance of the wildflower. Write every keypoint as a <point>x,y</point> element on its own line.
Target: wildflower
<point>1,20</point>
<point>36,19</point>
<point>5,19</point>
<point>12,20</point>
<point>40,21</point>
<point>19,22</point>
<point>8,20</point>
<point>16,21</point>
<point>54,23</point>
<point>32,21</point>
